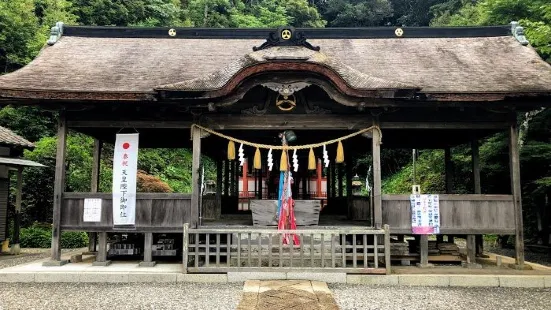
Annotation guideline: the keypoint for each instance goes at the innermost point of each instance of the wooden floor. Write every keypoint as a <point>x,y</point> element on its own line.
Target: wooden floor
<point>245,220</point>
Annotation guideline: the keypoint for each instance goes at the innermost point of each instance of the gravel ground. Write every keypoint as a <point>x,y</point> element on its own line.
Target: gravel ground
<point>193,296</point>
<point>378,297</point>
<point>226,296</point>
<point>29,255</point>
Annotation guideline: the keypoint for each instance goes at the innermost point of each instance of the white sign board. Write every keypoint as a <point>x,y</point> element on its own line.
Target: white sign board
<point>425,214</point>
<point>92,210</point>
<point>125,166</point>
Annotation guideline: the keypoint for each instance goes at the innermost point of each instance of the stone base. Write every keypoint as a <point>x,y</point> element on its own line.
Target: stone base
<point>429,265</point>
<point>76,258</point>
<point>103,264</point>
<point>55,263</point>
<point>148,264</point>
<point>89,253</point>
<point>483,256</point>
<point>519,267</point>
<point>471,265</point>
<point>15,249</point>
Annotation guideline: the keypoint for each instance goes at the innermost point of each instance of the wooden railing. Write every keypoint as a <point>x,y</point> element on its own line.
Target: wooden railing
<point>354,250</point>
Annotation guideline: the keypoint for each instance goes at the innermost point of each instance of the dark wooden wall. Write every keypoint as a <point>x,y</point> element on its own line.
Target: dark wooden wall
<point>4,192</point>
<point>155,212</point>
<point>459,214</point>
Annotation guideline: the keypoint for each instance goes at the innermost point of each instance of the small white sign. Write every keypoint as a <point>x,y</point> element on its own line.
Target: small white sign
<point>92,210</point>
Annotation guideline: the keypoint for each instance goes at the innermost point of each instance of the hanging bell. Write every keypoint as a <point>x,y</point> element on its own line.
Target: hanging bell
<point>290,136</point>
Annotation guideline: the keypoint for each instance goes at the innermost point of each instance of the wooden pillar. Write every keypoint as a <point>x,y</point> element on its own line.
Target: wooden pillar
<point>101,257</point>
<point>449,177</point>
<point>260,179</point>
<point>514,158</point>
<point>94,184</point>
<point>479,239</point>
<point>333,167</point>
<point>16,249</point>
<point>59,188</point>
<point>219,171</point>
<point>318,180</point>
<point>341,177</point>
<point>195,177</point>
<point>424,251</point>
<point>226,178</point>
<point>245,178</point>
<point>328,177</point>
<point>349,179</point>
<point>377,199</point>
<point>449,170</point>
<point>148,251</point>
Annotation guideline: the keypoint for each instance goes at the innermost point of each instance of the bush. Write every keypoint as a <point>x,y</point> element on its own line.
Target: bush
<point>35,237</point>
<point>73,239</point>
<point>39,235</point>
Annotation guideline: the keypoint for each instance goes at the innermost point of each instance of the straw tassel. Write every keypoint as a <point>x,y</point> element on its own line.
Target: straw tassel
<point>231,150</point>
<point>311,160</point>
<point>283,162</point>
<point>340,154</point>
<point>257,162</point>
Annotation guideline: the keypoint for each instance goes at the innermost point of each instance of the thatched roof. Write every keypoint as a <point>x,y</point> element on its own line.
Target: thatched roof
<point>9,138</point>
<point>110,63</point>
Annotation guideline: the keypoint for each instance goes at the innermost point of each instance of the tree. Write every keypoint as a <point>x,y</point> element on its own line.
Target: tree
<point>18,40</point>
<point>356,13</point>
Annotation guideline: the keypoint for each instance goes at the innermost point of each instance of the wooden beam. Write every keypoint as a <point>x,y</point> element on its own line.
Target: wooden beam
<point>377,202</point>
<point>444,125</point>
<point>16,249</point>
<point>59,186</point>
<point>291,121</point>
<point>195,176</point>
<point>516,191</point>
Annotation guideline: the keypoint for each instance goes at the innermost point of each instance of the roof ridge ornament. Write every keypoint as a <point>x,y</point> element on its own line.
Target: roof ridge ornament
<point>518,33</point>
<point>55,33</point>
<point>286,36</point>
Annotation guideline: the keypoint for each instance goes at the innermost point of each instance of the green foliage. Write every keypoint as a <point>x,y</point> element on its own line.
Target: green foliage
<point>29,122</point>
<point>24,28</point>
<point>356,13</point>
<point>125,13</point>
<point>18,40</point>
<point>533,15</point>
<point>35,237</point>
<point>39,235</point>
<point>73,239</point>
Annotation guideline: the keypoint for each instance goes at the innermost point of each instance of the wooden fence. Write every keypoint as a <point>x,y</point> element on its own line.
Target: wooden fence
<point>354,250</point>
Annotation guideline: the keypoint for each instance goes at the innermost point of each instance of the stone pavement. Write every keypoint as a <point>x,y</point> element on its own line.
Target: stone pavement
<point>286,294</point>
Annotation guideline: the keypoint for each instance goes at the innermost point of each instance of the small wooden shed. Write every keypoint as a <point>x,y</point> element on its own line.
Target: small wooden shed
<point>11,148</point>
